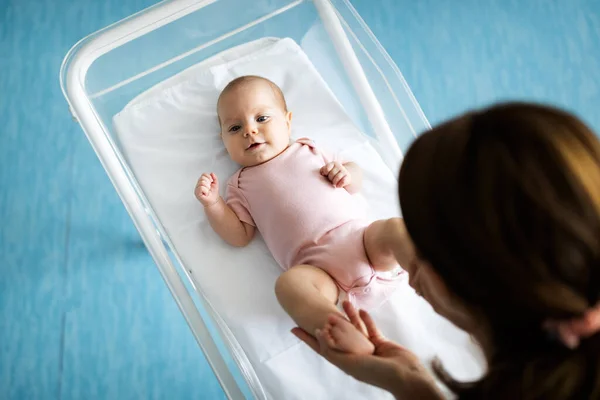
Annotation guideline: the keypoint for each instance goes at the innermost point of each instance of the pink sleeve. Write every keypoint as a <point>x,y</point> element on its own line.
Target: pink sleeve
<point>327,156</point>
<point>238,203</point>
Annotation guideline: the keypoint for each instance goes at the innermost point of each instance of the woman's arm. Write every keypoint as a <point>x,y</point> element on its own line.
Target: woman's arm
<point>416,384</point>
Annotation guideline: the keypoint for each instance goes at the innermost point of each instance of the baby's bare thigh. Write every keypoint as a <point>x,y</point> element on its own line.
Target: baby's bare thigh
<point>308,294</point>
<point>382,240</point>
<point>304,279</point>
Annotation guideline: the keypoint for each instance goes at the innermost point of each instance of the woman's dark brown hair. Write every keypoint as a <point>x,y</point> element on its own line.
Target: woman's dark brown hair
<point>505,205</point>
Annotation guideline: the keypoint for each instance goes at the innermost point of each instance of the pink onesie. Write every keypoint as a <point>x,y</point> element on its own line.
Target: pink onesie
<point>305,220</point>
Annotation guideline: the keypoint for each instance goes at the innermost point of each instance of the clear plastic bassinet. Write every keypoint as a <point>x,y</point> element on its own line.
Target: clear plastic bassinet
<point>106,70</point>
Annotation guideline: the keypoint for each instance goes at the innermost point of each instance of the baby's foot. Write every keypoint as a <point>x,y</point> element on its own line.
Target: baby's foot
<point>341,335</point>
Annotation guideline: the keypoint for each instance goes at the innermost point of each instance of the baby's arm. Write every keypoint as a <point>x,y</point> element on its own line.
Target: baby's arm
<point>221,217</point>
<point>347,175</point>
<point>227,224</point>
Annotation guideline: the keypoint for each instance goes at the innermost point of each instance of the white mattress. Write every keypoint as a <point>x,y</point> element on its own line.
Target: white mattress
<point>170,135</point>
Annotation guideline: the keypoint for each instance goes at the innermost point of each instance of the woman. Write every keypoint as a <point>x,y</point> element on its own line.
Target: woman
<point>503,208</point>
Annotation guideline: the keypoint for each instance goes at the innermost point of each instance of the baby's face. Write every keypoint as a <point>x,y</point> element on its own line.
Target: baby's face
<point>254,126</point>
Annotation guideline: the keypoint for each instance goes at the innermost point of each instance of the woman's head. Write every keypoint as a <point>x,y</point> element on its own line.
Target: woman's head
<point>503,204</point>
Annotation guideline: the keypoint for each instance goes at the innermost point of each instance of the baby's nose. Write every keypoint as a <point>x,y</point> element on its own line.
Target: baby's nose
<point>251,130</point>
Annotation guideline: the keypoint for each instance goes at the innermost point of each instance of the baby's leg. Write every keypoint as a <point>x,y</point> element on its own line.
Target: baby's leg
<point>387,244</point>
<point>308,294</point>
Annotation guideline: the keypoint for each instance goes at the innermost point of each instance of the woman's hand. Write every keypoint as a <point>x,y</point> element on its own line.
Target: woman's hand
<point>391,367</point>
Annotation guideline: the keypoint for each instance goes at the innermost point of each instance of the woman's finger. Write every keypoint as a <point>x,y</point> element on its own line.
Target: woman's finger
<point>369,369</point>
<point>372,331</point>
<point>354,318</point>
<point>306,338</point>
<point>366,368</point>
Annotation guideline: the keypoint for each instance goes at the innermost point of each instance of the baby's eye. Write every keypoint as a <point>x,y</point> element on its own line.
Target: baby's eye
<point>262,118</point>
<point>235,128</point>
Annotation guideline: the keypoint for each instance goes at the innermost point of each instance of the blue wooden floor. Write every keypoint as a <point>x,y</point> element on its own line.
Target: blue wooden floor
<point>84,313</point>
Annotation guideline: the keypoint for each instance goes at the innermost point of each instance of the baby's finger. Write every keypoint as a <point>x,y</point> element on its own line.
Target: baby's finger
<point>350,363</point>
<point>214,178</point>
<point>334,171</point>
<point>328,336</point>
<point>204,187</point>
<point>326,342</point>
<point>200,180</point>
<point>206,178</point>
<point>327,168</point>
<point>338,177</point>
<point>204,190</point>
<point>206,182</point>
<point>345,181</point>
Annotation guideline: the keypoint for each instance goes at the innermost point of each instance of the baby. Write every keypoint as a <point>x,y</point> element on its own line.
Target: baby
<point>300,200</point>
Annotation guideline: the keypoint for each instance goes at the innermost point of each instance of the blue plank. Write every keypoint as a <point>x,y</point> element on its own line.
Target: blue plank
<point>457,55</point>
<point>34,173</point>
<point>124,337</point>
<point>84,312</point>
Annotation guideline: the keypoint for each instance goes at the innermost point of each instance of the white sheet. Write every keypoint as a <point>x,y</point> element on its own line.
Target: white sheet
<point>169,136</point>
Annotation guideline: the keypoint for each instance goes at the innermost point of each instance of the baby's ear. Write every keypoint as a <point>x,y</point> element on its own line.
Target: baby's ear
<point>288,120</point>
<point>220,127</point>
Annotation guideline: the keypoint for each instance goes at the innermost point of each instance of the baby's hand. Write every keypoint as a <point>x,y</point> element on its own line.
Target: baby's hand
<point>207,189</point>
<point>337,174</point>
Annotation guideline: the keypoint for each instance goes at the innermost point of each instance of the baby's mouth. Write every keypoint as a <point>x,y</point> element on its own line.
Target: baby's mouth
<point>254,146</point>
